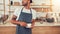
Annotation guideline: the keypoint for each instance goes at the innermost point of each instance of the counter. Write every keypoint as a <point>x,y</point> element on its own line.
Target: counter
<point>35,30</point>
<point>45,28</point>
<point>36,24</point>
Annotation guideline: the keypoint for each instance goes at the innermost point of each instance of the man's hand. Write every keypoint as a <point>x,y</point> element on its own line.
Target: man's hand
<point>32,26</point>
<point>23,24</point>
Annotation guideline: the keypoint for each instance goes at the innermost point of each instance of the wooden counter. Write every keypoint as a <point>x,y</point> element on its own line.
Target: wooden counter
<point>35,30</point>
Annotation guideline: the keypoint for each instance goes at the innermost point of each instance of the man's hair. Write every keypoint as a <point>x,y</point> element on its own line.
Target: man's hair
<point>30,1</point>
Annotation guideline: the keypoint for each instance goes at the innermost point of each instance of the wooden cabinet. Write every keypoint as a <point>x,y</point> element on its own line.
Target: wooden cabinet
<point>46,30</point>
<point>35,30</point>
<point>7,30</point>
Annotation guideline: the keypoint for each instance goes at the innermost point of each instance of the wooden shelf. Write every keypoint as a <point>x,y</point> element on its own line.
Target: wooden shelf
<point>42,7</point>
<point>31,5</point>
<point>14,5</point>
<point>1,4</point>
<point>11,11</point>
<point>1,10</point>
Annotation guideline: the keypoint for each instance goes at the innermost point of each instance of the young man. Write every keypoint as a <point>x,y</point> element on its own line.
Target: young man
<point>24,18</point>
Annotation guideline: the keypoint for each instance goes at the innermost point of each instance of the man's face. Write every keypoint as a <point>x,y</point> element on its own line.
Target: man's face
<point>24,2</point>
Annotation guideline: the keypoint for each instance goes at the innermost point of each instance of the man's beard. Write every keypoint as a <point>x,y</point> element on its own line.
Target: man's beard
<point>24,4</point>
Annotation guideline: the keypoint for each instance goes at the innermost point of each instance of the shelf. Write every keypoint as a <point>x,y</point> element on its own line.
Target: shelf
<point>36,6</point>
<point>14,5</point>
<point>11,11</point>
<point>31,5</point>
<point>1,10</point>
<point>1,4</point>
<point>41,5</point>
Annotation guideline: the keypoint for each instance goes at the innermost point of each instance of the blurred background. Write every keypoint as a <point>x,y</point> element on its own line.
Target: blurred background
<point>47,15</point>
<point>46,10</point>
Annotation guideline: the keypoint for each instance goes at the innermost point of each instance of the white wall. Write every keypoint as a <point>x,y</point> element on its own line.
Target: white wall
<point>56,5</point>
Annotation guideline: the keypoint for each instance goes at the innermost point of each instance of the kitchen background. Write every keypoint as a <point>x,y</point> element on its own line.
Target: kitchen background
<point>46,10</point>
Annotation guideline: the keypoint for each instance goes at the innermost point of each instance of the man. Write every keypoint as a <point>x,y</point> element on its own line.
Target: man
<point>24,18</point>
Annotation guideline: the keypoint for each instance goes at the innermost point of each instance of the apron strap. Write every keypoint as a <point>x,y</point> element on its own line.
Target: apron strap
<point>23,8</point>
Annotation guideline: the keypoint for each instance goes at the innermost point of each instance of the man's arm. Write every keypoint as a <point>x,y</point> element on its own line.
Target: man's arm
<point>14,21</point>
<point>33,17</point>
<point>33,22</point>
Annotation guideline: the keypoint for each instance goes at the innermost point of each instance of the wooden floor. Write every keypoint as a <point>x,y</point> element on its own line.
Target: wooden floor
<point>35,30</point>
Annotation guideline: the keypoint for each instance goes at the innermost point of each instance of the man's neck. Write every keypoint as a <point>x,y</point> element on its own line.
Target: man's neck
<point>27,7</point>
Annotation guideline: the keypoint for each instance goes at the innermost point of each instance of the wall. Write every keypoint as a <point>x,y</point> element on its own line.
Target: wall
<point>56,5</point>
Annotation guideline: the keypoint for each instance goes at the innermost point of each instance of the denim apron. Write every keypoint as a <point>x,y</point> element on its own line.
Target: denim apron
<point>25,17</point>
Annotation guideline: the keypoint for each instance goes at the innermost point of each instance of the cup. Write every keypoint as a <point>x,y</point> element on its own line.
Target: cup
<point>28,25</point>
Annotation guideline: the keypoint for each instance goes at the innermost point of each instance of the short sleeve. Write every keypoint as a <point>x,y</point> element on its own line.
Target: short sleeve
<point>33,14</point>
<point>15,12</point>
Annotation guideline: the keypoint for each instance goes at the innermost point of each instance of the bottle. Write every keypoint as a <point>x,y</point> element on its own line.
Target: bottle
<point>11,2</point>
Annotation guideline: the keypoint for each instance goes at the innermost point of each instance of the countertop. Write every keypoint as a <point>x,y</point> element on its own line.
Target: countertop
<point>36,24</point>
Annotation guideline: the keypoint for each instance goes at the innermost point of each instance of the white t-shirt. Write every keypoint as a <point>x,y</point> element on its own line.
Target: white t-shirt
<point>18,12</point>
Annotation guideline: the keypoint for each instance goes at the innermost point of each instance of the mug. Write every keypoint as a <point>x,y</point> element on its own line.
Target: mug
<point>28,25</point>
